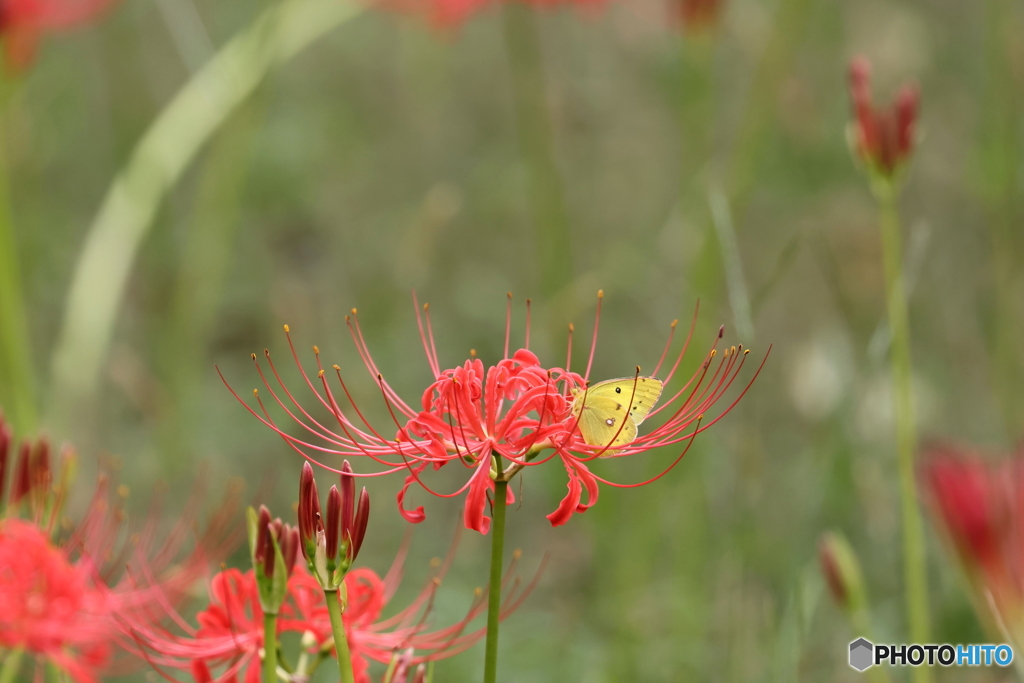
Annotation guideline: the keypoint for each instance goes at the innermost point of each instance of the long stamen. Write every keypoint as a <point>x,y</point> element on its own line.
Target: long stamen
<point>686,344</point>
<point>593,341</point>
<point>427,345</point>
<point>568,352</point>
<point>663,473</point>
<point>526,340</point>
<point>508,322</point>
<point>364,353</point>
<point>668,343</point>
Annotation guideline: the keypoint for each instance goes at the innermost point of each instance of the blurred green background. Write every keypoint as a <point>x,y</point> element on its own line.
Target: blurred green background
<point>386,158</point>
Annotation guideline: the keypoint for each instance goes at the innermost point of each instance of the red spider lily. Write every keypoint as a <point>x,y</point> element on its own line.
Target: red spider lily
<point>49,606</point>
<point>979,505</point>
<point>23,21</point>
<point>883,138</point>
<point>496,421</point>
<point>64,586</point>
<point>230,634</point>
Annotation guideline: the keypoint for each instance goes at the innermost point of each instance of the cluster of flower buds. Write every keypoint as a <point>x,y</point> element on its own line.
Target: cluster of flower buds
<point>330,545</point>
<point>32,478</point>
<point>883,139</point>
<point>274,546</point>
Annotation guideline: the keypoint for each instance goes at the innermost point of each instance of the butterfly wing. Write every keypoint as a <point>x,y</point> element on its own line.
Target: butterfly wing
<point>639,394</point>
<point>603,421</point>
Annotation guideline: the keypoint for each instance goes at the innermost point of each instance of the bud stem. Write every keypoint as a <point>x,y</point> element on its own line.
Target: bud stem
<point>340,639</point>
<point>494,589</point>
<point>269,647</point>
<point>915,573</point>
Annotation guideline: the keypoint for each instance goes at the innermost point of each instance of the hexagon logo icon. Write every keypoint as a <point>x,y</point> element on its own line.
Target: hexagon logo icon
<point>861,651</point>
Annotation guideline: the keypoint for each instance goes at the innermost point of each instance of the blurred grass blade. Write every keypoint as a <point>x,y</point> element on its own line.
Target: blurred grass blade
<point>17,386</point>
<point>739,299</point>
<point>156,164</point>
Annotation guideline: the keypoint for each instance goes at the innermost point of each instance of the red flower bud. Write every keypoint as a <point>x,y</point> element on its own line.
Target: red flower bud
<point>906,118</point>
<point>290,547</point>
<point>359,525</point>
<point>22,483</point>
<point>263,546</point>
<point>882,138</point>
<point>333,526</point>
<point>309,510</point>
<point>348,500</point>
<point>830,569</point>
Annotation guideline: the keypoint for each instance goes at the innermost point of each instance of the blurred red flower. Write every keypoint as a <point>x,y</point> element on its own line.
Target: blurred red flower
<point>49,606</point>
<point>979,506</point>
<point>230,633</point>
<point>497,421</point>
<point>22,22</point>
<point>883,138</point>
<point>64,587</point>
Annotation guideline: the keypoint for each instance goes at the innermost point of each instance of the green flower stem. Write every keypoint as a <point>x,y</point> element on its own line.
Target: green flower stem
<point>340,639</point>
<point>17,390</point>
<point>494,589</point>
<point>269,647</point>
<point>9,671</point>
<point>544,182</point>
<point>157,162</point>
<point>915,571</point>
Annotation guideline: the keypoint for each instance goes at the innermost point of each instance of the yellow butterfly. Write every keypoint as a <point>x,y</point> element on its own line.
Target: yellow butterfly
<point>610,412</point>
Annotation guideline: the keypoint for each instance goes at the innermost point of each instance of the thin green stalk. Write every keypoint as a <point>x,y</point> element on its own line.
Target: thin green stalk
<point>915,571</point>
<point>340,639</point>
<point>269,648</point>
<point>494,589</point>
<point>12,664</point>
<point>544,182</point>
<point>17,389</point>
<point>157,162</point>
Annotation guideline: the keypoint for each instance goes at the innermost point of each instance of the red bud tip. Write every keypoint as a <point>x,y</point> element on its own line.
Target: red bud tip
<point>831,571</point>
<point>333,534</point>
<point>359,525</point>
<point>290,547</point>
<point>348,499</point>
<point>22,477</point>
<point>309,507</point>
<point>264,548</point>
